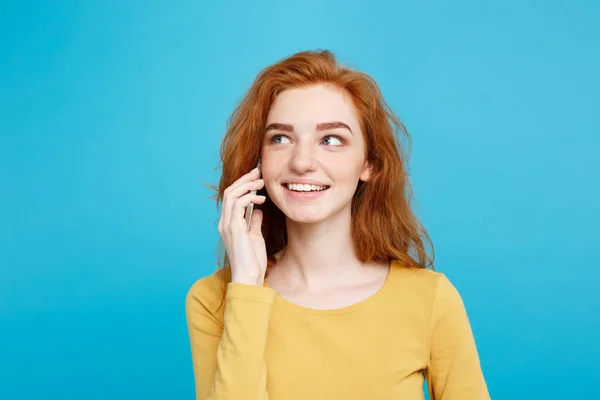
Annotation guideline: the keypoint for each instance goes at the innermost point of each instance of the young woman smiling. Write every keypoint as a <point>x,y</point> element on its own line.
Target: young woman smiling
<point>328,294</point>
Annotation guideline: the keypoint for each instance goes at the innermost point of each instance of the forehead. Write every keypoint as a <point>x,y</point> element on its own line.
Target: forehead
<point>312,105</point>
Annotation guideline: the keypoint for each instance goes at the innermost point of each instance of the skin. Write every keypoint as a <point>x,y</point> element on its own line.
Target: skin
<point>319,267</point>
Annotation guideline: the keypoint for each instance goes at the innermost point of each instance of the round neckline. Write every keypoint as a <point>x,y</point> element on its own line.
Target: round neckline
<point>342,310</point>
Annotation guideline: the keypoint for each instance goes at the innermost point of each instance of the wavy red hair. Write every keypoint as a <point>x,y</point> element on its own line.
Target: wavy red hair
<point>384,226</point>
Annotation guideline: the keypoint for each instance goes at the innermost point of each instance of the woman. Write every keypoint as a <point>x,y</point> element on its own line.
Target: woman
<point>326,294</point>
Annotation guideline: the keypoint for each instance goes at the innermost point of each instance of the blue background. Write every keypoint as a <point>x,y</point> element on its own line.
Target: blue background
<point>111,115</point>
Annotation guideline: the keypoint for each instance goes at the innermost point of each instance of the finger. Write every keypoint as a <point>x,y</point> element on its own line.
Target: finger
<point>233,195</point>
<point>244,188</point>
<point>256,222</point>
<point>237,221</point>
<point>250,176</point>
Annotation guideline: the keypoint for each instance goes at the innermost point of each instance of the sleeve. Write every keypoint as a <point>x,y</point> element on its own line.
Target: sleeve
<point>228,352</point>
<point>453,368</point>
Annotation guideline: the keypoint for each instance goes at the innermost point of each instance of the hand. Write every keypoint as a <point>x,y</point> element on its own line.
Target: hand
<point>245,247</point>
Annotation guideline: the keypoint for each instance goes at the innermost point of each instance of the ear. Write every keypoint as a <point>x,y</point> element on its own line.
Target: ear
<point>366,173</point>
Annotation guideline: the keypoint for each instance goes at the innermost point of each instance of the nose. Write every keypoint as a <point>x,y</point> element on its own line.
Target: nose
<point>304,159</point>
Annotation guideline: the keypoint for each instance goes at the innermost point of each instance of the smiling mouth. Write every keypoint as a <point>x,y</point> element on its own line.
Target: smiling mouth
<point>301,188</point>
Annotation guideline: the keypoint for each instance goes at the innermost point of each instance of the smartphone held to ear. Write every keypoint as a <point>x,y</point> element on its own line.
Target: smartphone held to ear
<point>250,207</point>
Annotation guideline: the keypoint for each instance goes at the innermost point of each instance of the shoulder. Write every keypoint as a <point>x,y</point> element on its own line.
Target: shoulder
<point>425,285</point>
<point>207,294</point>
<point>425,281</point>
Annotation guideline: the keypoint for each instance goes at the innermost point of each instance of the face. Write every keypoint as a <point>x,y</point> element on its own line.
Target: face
<point>313,153</point>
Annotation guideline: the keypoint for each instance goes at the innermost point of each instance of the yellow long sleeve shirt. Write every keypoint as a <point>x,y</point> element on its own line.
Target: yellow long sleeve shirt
<point>259,346</point>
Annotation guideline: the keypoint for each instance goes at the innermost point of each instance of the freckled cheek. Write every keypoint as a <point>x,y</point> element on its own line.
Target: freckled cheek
<point>347,179</point>
<point>271,169</point>
<point>271,183</point>
<point>271,187</point>
<point>343,171</point>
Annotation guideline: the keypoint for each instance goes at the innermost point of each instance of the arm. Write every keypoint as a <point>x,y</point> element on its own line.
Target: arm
<point>228,352</point>
<point>453,370</point>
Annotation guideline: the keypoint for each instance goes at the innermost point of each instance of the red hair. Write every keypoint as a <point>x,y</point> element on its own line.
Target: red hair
<point>384,227</point>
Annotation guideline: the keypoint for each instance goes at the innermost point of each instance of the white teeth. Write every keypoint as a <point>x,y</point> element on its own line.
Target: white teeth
<point>299,187</point>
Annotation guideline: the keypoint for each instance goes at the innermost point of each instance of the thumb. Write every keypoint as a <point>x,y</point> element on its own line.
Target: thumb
<point>255,224</point>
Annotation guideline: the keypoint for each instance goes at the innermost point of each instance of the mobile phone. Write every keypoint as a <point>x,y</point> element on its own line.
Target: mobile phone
<point>250,207</point>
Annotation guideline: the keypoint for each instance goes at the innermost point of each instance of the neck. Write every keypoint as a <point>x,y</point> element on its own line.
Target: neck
<point>319,254</point>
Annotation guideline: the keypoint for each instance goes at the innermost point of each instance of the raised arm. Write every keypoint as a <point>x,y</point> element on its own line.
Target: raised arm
<point>228,350</point>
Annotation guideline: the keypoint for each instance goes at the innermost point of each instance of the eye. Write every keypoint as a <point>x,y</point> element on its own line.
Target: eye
<point>275,138</point>
<point>330,143</point>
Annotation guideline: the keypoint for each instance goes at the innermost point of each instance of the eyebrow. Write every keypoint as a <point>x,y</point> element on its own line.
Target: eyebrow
<point>323,126</point>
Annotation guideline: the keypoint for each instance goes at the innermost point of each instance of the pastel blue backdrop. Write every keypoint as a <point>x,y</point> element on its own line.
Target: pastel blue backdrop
<point>111,115</point>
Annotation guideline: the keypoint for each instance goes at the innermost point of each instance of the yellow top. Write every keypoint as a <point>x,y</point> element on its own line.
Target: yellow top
<point>261,346</point>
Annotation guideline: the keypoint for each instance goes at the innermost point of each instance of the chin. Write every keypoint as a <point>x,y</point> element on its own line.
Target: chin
<point>316,215</point>
<point>306,220</point>
<point>305,217</point>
